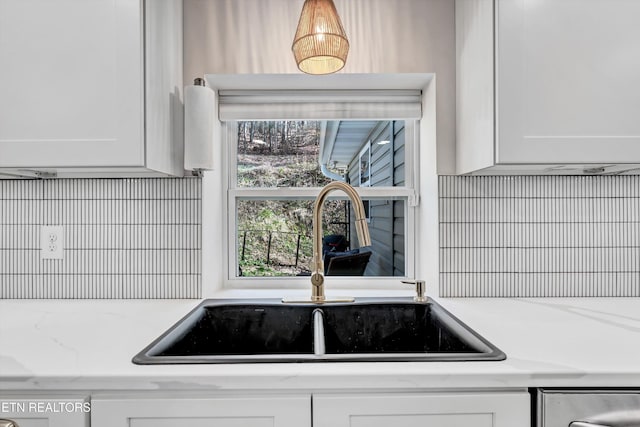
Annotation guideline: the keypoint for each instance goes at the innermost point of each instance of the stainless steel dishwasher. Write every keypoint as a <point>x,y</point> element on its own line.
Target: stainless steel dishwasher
<point>588,408</point>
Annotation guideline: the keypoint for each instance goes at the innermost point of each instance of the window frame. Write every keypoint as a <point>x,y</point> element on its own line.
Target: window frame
<point>409,193</point>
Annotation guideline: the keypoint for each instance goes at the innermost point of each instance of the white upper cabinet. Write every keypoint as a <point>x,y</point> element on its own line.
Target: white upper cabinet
<point>91,86</point>
<point>548,85</point>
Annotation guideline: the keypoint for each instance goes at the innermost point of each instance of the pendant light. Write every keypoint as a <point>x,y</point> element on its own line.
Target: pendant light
<point>320,45</point>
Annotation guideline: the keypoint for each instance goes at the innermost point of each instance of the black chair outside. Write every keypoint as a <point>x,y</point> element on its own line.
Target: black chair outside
<point>353,263</point>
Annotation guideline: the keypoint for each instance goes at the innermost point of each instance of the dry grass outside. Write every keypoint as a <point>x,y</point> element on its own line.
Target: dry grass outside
<point>274,236</point>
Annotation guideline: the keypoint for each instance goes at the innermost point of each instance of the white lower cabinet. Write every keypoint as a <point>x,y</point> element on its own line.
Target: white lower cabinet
<point>39,411</point>
<point>452,409</point>
<point>510,409</point>
<point>266,411</point>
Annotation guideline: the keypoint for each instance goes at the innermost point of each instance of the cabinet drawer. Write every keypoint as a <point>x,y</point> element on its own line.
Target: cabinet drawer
<point>272,411</point>
<point>421,410</point>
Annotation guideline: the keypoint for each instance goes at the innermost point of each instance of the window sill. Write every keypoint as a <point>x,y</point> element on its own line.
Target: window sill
<point>400,291</point>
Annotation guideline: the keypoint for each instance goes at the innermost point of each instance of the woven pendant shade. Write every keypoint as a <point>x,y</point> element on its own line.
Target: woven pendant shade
<point>320,45</point>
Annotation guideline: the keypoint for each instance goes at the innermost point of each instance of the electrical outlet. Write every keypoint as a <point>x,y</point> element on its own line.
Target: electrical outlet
<point>52,241</point>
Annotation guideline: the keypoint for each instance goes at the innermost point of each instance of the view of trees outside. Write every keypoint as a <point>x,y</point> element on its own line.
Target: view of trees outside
<point>274,236</point>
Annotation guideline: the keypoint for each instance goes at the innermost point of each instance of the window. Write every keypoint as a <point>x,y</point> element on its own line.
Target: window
<point>276,166</point>
<point>277,169</point>
<point>365,165</point>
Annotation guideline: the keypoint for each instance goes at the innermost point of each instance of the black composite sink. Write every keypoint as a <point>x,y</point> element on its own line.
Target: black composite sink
<point>370,329</point>
<point>390,328</point>
<point>235,328</point>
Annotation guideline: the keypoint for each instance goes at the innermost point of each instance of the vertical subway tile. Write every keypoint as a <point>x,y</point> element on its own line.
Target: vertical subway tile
<point>124,238</point>
<point>540,235</point>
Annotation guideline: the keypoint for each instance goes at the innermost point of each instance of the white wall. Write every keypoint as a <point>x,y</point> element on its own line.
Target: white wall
<point>386,36</point>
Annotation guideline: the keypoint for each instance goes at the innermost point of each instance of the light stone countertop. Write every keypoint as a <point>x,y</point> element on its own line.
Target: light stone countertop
<point>88,345</point>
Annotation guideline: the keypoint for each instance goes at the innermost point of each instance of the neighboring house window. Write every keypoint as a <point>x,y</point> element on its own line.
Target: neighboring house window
<point>365,165</point>
<point>364,178</point>
<point>275,168</point>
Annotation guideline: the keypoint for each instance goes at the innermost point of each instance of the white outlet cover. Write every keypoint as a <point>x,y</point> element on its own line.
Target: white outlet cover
<point>52,242</point>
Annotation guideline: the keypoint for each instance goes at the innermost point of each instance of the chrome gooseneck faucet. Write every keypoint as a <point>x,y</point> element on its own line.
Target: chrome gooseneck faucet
<point>317,276</point>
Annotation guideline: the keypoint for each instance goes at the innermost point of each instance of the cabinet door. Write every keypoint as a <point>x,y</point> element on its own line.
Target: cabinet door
<point>287,411</point>
<point>422,410</point>
<point>567,81</point>
<point>38,412</point>
<point>71,83</point>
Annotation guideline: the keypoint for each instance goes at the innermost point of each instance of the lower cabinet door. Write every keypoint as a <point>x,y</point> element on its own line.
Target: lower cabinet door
<point>40,411</point>
<point>423,410</point>
<point>275,411</point>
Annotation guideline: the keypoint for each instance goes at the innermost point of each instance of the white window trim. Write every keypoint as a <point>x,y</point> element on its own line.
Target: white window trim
<point>214,233</point>
<point>229,250</point>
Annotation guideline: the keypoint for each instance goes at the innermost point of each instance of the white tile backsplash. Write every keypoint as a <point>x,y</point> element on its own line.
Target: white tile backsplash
<point>539,236</point>
<point>124,238</point>
<point>524,236</point>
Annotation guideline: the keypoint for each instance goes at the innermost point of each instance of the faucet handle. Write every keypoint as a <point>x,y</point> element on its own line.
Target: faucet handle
<point>420,289</point>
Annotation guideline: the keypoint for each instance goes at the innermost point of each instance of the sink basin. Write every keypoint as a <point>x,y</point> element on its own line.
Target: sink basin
<point>412,328</point>
<point>234,330</point>
<point>266,330</point>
